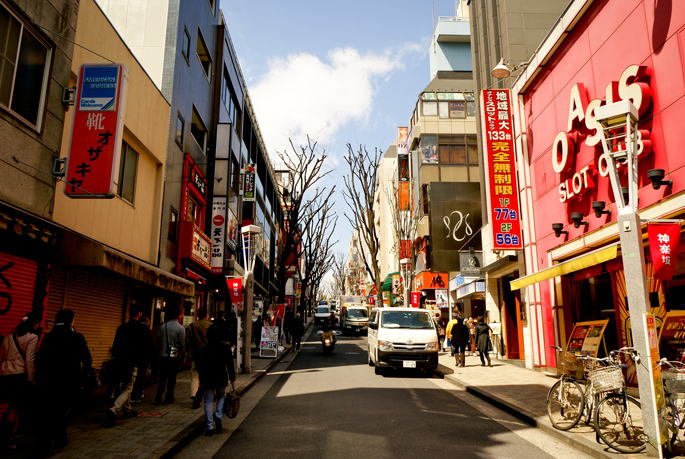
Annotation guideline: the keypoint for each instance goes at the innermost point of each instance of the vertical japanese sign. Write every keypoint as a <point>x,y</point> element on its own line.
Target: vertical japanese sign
<point>97,127</point>
<point>664,239</point>
<point>415,299</point>
<point>498,145</point>
<point>235,289</point>
<point>249,184</point>
<point>218,236</point>
<point>658,388</point>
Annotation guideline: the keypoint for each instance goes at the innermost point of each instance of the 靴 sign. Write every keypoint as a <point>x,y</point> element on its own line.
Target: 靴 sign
<point>97,127</point>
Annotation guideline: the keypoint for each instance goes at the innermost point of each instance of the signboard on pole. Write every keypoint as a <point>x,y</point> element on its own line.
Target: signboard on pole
<point>92,169</point>
<point>249,184</point>
<point>664,239</point>
<point>498,144</point>
<point>415,299</point>
<point>658,387</point>
<point>218,235</point>
<point>235,289</point>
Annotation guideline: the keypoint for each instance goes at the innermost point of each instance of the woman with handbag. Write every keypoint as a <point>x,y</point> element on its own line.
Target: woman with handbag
<point>17,372</point>
<point>483,343</point>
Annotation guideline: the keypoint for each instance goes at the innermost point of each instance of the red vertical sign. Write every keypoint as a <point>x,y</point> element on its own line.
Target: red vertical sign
<point>498,144</point>
<point>664,239</point>
<point>235,289</point>
<point>96,132</point>
<point>415,299</point>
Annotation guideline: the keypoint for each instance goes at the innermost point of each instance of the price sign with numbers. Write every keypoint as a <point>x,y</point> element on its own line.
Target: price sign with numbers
<point>498,145</point>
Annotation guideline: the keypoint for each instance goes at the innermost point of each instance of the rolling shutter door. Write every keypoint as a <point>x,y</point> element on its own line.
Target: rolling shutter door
<point>98,305</point>
<point>17,287</point>
<point>56,288</point>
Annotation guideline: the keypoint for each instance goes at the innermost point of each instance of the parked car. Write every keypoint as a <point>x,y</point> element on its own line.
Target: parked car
<point>354,318</point>
<point>402,338</point>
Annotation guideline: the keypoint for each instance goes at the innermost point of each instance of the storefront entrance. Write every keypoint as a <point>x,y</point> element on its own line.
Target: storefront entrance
<point>512,320</point>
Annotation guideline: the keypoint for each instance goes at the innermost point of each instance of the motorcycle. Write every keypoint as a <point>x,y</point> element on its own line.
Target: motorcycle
<point>328,340</point>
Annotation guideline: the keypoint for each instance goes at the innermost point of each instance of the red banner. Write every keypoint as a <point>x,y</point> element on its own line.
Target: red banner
<point>664,239</point>
<point>498,143</point>
<point>415,299</point>
<point>235,289</point>
<point>280,313</point>
<point>289,301</point>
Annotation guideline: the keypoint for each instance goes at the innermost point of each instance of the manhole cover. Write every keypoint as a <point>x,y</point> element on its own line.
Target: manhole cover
<point>150,415</point>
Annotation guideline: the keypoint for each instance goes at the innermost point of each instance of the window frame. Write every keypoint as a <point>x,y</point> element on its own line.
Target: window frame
<point>172,234</point>
<point>185,50</point>
<point>203,148</point>
<point>201,41</point>
<point>125,146</point>
<point>183,127</point>
<point>49,52</point>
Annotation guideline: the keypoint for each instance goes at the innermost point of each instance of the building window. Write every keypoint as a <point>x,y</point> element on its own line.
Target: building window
<point>429,108</point>
<point>186,45</point>
<point>127,172</point>
<point>227,97</point>
<point>24,67</point>
<point>173,224</point>
<point>459,150</point>
<point>194,213</point>
<point>203,55</point>
<point>428,148</point>
<point>180,124</point>
<point>198,131</point>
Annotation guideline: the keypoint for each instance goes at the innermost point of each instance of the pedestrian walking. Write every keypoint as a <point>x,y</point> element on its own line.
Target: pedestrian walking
<point>196,337</point>
<point>130,351</point>
<point>472,330</point>
<point>459,341</point>
<point>257,331</point>
<point>440,324</point>
<point>223,327</point>
<point>448,331</point>
<point>149,363</point>
<point>17,373</point>
<point>483,343</point>
<point>171,344</point>
<point>62,362</point>
<point>215,363</point>
<point>297,330</point>
<point>287,324</point>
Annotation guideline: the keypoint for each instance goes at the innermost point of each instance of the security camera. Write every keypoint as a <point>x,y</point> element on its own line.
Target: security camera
<point>577,219</point>
<point>598,208</point>
<point>557,228</point>
<point>656,176</point>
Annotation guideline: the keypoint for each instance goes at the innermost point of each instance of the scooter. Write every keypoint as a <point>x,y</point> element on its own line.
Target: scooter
<point>328,340</point>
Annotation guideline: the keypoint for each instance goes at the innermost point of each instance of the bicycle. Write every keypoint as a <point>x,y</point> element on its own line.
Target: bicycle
<point>673,378</point>
<point>618,417</point>
<point>574,396</point>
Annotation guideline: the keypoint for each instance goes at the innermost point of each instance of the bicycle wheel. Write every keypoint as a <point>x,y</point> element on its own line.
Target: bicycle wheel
<point>619,423</point>
<point>678,437</point>
<point>565,404</point>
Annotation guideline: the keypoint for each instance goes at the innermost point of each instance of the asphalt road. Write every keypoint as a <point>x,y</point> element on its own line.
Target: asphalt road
<point>313,406</point>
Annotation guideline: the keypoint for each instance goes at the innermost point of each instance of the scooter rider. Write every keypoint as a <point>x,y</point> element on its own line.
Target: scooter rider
<point>329,325</point>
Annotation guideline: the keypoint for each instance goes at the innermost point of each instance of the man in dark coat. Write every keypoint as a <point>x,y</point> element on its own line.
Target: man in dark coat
<point>460,340</point>
<point>483,344</point>
<point>149,362</point>
<point>62,363</point>
<point>215,365</point>
<point>297,329</point>
<point>130,351</point>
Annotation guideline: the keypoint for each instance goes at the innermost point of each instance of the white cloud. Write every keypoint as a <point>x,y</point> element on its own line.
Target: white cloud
<point>301,94</point>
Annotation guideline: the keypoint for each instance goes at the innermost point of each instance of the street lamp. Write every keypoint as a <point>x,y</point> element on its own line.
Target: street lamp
<point>250,234</point>
<point>405,264</point>
<point>619,123</point>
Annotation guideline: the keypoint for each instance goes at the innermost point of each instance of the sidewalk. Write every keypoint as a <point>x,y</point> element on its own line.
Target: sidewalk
<point>157,432</point>
<point>523,393</point>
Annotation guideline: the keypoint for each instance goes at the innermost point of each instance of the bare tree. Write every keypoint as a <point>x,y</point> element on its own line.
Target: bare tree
<point>300,196</point>
<point>404,224</point>
<point>339,278</point>
<point>361,186</point>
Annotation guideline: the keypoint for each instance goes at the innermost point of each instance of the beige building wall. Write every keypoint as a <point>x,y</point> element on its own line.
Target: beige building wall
<point>387,257</point>
<point>132,228</point>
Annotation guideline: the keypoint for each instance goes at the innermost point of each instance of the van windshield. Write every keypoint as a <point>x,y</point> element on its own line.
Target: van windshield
<point>322,310</point>
<point>357,314</point>
<point>406,319</point>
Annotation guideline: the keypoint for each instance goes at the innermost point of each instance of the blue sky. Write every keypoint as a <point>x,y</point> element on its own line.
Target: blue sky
<point>340,71</point>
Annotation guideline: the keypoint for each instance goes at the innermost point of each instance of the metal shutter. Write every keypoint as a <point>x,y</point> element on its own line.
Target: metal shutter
<point>98,305</point>
<point>20,274</point>
<point>56,288</point>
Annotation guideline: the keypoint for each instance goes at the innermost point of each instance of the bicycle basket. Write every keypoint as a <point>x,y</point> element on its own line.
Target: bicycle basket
<point>604,379</point>
<point>674,380</point>
<point>569,364</point>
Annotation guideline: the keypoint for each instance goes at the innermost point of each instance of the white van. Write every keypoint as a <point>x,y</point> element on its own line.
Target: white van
<point>322,312</point>
<point>402,338</point>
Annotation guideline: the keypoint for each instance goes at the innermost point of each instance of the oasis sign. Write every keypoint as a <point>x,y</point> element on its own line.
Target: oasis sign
<point>632,85</point>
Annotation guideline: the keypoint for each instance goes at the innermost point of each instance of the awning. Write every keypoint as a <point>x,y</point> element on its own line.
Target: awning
<point>575,264</point>
<point>386,286</point>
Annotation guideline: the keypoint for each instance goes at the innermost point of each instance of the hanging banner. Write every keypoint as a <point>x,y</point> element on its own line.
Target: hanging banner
<point>93,158</point>
<point>441,299</point>
<point>402,138</point>
<point>395,284</point>
<point>415,299</point>
<point>218,234</point>
<point>249,183</point>
<point>235,289</point>
<point>664,239</point>
<point>498,144</point>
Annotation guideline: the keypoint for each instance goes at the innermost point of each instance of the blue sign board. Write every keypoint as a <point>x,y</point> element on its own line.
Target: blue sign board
<point>99,88</point>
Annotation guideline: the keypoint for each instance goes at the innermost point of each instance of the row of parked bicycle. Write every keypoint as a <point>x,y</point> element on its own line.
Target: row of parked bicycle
<point>594,390</point>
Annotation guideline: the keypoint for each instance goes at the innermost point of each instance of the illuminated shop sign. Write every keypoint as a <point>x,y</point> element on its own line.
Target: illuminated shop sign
<point>582,123</point>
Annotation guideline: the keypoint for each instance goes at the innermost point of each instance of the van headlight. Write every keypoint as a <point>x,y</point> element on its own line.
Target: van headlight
<point>385,345</point>
<point>431,346</point>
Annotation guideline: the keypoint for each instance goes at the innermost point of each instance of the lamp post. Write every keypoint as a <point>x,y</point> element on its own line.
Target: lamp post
<point>250,234</point>
<point>404,267</point>
<point>619,122</point>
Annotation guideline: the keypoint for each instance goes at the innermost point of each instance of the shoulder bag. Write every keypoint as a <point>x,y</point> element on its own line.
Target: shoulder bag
<point>232,403</point>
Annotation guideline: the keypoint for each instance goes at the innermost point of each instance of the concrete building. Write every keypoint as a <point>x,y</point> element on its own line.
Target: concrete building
<point>387,238</point>
<point>34,72</point>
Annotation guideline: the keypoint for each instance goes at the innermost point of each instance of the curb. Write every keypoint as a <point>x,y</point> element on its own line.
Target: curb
<point>589,448</point>
<point>196,428</point>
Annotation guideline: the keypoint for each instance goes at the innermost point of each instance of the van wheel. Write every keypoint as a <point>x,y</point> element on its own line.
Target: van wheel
<point>378,370</point>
